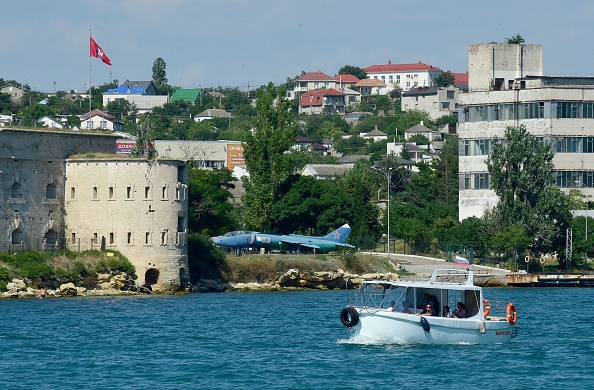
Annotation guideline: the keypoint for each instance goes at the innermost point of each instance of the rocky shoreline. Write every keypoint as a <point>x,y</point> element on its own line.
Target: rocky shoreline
<point>122,284</point>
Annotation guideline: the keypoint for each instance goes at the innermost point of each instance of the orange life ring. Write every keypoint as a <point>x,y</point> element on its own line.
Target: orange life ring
<point>511,314</point>
<point>487,307</point>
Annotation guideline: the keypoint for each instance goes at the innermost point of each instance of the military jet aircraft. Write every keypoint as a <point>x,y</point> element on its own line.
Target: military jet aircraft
<point>285,242</point>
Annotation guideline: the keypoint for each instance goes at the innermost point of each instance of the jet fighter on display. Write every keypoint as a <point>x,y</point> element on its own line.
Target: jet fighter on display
<point>285,242</point>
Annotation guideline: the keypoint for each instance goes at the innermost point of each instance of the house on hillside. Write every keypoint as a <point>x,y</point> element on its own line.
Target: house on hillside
<point>15,92</point>
<point>420,129</point>
<point>313,80</point>
<point>100,120</point>
<point>212,113</point>
<point>143,94</point>
<point>345,80</point>
<point>404,76</point>
<point>50,123</point>
<point>325,171</point>
<point>372,87</point>
<point>321,101</point>
<point>437,101</point>
<point>374,135</point>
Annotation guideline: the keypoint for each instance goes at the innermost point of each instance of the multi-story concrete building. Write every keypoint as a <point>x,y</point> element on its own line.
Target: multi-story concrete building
<point>404,76</point>
<point>51,200</point>
<point>557,110</point>
<point>436,101</point>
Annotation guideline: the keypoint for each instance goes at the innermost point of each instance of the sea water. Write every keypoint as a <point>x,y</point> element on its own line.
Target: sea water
<point>279,340</point>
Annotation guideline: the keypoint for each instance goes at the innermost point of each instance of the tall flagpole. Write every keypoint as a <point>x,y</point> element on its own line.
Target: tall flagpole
<point>90,86</point>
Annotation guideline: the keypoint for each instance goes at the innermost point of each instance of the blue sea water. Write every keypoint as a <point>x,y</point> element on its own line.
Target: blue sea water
<point>284,340</point>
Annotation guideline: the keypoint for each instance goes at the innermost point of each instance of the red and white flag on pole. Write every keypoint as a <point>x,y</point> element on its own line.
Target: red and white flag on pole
<point>97,52</point>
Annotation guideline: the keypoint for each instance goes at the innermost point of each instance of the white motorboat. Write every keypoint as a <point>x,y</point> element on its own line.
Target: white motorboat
<point>370,316</point>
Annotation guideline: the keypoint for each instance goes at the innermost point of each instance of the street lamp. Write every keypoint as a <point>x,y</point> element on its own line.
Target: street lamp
<point>388,174</point>
<point>584,185</point>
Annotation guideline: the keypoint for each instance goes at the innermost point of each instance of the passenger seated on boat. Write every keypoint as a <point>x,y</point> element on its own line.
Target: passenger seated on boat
<point>427,311</point>
<point>392,306</point>
<point>460,312</point>
<point>406,308</point>
<point>426,301</point>
<point>446,312</point>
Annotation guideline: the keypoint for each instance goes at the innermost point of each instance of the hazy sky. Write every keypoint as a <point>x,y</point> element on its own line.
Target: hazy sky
<point>235,42</point>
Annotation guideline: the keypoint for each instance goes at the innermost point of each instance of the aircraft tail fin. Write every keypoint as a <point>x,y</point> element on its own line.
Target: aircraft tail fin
<point>340,234</point>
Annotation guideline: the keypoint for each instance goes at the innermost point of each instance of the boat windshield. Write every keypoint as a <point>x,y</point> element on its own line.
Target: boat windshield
<point>379,295</point>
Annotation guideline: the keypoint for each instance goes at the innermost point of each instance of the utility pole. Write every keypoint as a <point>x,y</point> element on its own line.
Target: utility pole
<point>388,173</point>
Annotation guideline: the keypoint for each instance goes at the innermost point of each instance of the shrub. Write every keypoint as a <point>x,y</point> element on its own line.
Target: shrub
<point>117,262</point>
<point>252,269</point>
<point>30,264</point>
<point>205,260</point>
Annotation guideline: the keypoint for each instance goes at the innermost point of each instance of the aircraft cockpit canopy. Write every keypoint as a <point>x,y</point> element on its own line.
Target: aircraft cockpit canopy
<point>237,233</point>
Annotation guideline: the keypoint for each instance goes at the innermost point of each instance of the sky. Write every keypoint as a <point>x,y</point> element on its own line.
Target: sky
<point>241,43</point>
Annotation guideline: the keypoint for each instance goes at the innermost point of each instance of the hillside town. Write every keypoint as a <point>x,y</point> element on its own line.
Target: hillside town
<point>113,167</point>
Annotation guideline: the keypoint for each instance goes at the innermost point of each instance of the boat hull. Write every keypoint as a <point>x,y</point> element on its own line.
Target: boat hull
<point>394,327</point>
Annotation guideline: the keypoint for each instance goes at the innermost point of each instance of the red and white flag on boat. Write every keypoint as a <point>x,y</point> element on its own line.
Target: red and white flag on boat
<point>461,261</point>
<point>97,52</point>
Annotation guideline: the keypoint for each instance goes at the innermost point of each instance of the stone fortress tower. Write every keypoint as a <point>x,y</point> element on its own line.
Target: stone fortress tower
<point>131,205</point>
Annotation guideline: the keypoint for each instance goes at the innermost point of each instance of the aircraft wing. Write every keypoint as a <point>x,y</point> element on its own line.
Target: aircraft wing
<point>296,242</point>
<point>345,245</point>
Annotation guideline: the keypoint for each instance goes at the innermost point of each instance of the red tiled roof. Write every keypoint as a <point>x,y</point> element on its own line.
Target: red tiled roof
<point>390,67</point>
<point>316,97</point>
<point>346,78</point>
<point>371,83</point>
<point>323,92</point>
<point>315,76</point>
<point>460,78</point>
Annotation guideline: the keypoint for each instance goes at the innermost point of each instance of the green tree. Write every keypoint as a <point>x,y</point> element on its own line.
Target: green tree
<point>210,210</point>
<point>5,103</point>
<point>265,155</point>
<point>521,172</point>
<point>515,40</point>
<point>121,109</point>
<point>145,137</point>
<point>353,70</point>
<point>159,72</point>
<point>73,121</point>
<point>444,79</point>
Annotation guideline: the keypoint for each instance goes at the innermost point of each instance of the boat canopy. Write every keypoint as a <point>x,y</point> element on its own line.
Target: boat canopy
<point>443,289</point>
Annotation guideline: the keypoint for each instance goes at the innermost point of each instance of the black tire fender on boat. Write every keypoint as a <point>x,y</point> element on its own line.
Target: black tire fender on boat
<point>425,324</point>
<point>349,316</point>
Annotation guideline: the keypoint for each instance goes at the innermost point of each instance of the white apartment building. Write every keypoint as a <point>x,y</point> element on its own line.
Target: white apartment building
<point>557,110</point>
<point>404,76</point>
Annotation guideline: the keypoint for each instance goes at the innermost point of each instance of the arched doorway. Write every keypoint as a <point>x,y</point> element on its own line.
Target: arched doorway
<point>51,238</point>
<point>151,276</point>
<point>51,191</point>
<point>17,236</point>
<point>16,191</point>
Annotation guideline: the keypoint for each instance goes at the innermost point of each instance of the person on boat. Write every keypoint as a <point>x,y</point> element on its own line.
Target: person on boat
<point>428,310</point>
<point>446,312</point>
<point>392,306</point>
<point>406,308</point>
<point>460,312</point>
<point>426,301</point>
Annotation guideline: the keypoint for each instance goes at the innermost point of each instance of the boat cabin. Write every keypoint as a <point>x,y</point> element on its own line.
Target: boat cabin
<point>444,288</point>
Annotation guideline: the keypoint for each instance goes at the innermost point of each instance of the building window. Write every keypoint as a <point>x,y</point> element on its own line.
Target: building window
<point>110,192</point>
<point>445,105</point>
<point>95,238</point>
<point>128,192</point>
<point>164,237</point>
<point>95,193</point>
<point>111,238</point>
<point>450,94</point>
<point>481,181</point>
<point>129,238</point>
<point>390,79</point>
<point>147,238</point>
<point>164,193</point>
<point>147,192</point>
<point>51,191</point>
<point>73,238</point>
<point>72,192</point>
